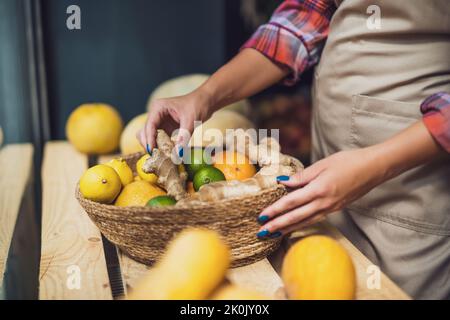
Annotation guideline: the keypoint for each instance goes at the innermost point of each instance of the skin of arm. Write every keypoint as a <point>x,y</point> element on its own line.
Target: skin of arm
<point>246,74</point>
<point>332,183</point>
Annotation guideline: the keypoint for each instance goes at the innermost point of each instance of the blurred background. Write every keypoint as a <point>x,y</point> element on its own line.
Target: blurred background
<point>124,50</point>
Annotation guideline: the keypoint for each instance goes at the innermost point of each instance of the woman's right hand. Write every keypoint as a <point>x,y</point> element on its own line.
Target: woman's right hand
<point>175,113</point>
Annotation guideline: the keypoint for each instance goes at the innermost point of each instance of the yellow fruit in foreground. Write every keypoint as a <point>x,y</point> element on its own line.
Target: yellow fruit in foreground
<point>122,169</point>
<point>318,268</point>
<point>149,177</point>
<point>128,142</point>
<point>233,292</point>
<point>94,128</point>
<point>100,183</point>
<point>137,193</point>
<point>234,165</point>
<point>194,264</point>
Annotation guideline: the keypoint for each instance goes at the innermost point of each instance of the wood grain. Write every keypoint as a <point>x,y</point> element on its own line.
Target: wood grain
<point>15,169</point>
<point>70,241</point>
<point>259,276</point>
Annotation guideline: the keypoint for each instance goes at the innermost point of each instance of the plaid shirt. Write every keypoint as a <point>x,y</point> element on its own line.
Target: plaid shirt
<point>294,37</point>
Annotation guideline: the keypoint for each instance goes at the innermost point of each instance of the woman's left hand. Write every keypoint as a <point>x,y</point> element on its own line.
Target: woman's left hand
<point>325,187</point>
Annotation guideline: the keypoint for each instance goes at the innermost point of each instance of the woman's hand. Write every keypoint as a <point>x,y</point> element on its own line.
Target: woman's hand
<point>246,74</point>
<point>175,113</point>
<point>324,187</point>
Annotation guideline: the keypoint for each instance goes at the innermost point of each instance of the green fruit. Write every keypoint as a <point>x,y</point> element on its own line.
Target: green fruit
<point>161,201</point>
<point>195,160</point>
<point>207,175</point>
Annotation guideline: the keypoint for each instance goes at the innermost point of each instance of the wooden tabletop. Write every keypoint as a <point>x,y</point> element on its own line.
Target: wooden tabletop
<point>73,264</point>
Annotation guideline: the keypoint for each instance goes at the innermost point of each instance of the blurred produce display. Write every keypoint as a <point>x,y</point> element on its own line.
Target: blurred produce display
<point>291,114</point>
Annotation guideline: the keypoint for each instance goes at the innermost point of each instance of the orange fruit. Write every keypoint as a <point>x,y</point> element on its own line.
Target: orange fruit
<point>234,165</point>
<point>138,193</point>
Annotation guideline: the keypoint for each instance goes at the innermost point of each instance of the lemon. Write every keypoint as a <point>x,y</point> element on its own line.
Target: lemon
<point>94,128</point>
<point>138,193</point>
<point>100,183</point>
<point>149,177</point>
<point>318,268</point>
<point>122,169</point>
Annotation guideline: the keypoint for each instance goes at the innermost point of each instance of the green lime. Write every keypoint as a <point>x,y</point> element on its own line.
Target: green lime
<point>195,160</point>
<point>207,175</point>
<point>161,201</point>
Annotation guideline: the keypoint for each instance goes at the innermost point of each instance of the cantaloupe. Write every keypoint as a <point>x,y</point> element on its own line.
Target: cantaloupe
<point>186,84</point>
<point>194,264</point>
<point>128,142</point>
<point>221,121</point>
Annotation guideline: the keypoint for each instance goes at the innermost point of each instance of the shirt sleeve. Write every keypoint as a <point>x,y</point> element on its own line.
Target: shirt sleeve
<point>294,36</point>
<point>436,117</point>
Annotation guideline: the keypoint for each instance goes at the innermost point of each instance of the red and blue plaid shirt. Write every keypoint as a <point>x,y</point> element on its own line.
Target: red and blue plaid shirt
<point>293,39</point>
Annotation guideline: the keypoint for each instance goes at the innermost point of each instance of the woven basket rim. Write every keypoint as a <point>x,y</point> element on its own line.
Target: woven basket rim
<point>126,212</point>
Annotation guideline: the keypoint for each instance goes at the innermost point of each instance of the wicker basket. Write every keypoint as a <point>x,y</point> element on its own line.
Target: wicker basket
<point>143,232</point>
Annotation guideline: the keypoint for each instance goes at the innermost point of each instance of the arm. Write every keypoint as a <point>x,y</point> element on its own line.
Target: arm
<point>334,182</point>
<point>285,47</point>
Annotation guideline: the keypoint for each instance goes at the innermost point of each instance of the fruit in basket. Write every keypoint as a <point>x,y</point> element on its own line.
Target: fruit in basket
<point>195,160</point>
<point>149,177</point>
<point>137,193</point>
<point>122,169</point>
<point>94,128</point>
<point>207,175</point>
<point>318,268</point>
<point>128,141</point>
<point>194,264</point>
<point>234,292</point>
<point>161,201</point>
<point>100,183</point>
<point>234,165</point>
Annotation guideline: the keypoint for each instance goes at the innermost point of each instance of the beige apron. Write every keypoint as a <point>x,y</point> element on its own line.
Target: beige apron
<point>369,86</point>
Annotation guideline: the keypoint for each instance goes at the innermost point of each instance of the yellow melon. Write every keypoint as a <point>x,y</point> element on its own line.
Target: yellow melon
<point>194,264</point>
<point>128,142</point>
<point>318,268</point>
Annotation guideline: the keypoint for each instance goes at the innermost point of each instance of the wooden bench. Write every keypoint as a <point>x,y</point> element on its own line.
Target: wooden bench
<point>18,228</point>
<point>74,250</point>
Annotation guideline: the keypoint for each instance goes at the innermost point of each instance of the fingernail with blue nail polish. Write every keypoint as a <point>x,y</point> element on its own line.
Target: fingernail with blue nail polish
<point>149,151</point>
<point>263,233</point>
<point>262,219</point>
<point>275,235</point>
<point>180,152</point>
<point>282,178</point>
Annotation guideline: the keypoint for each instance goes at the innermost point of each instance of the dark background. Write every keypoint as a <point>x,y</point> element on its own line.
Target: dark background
<point>126,48</point>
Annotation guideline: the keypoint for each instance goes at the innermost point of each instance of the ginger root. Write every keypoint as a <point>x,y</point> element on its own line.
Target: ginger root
<point>160,163</point>
<point>268,156</point>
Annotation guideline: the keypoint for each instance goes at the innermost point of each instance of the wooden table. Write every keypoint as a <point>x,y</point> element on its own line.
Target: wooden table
<point>73,262</point>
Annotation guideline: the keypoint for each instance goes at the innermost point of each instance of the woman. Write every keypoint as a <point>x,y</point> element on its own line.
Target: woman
<point>380,167</point>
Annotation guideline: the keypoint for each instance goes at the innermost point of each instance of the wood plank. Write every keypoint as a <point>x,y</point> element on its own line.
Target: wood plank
<point>71,243</point>
<point>259,276</point>
<point>15,165</point>
<point>388,289</point>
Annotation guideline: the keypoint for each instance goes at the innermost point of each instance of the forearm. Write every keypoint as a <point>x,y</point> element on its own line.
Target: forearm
<point>246,74</point>
<point>410,148</point>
